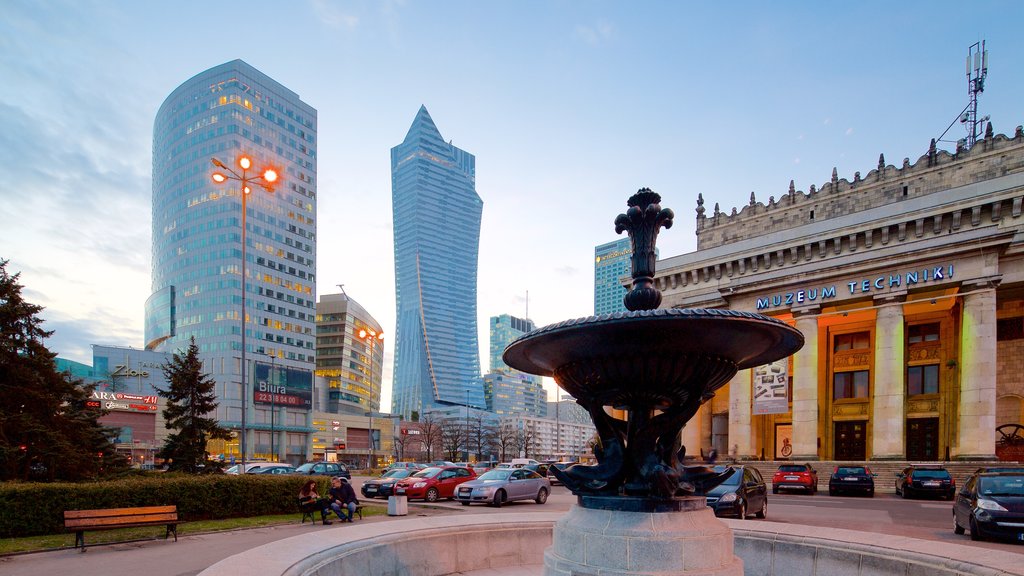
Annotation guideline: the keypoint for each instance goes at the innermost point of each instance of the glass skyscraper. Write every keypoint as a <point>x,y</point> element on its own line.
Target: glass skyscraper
<point>509,391</point>
<point>225,112</point>
<point>436,213</point>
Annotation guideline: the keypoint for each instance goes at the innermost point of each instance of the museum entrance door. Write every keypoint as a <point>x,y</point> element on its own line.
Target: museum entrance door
<point>923,439</point>
<point>851,440</point>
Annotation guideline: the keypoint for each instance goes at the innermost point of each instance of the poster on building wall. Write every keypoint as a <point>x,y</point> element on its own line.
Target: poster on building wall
<point>283,386</point>
<point>771,388</point>
<point>783,441</point>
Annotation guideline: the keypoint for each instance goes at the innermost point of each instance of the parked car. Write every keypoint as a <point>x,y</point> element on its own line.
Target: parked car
<point>273,469</point>
<point>851,479</point>
<point>432,484</point>
<point>414,466</point>
<point>925,481</point>
<point>384,485</point>
<point>442,463</point>
<point>325,469</point>
<point>249,467</point>
<point>505,485</point>
<point>795,477</point>
<point>1014,469</point>
<point>742,492</point>
<point>540,469</point>
<point>991,505</point>
<point>484,466</point>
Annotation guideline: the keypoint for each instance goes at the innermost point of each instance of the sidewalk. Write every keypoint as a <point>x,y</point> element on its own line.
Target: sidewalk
<point>186,557</point>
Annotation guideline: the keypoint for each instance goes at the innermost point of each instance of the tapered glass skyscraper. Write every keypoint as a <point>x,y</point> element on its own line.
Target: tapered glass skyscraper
<point>436,213</point>
<point>225,112</point>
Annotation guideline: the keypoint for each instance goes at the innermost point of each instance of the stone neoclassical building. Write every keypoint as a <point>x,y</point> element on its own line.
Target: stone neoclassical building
<point>908,284</point>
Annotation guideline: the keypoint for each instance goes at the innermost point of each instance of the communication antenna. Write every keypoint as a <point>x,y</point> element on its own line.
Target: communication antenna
<point>977,70</point>
<point>343,293</point>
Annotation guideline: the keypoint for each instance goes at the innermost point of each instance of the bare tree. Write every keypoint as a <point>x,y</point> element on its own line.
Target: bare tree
<point>506,440</point>
<point>525,440</point>
<point>453,438</point>
<point>430,434</point>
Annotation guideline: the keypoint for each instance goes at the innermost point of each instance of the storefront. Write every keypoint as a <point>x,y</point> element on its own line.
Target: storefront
<point>908,285</point>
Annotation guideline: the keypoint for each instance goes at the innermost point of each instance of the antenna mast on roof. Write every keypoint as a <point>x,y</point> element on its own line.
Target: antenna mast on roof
<point>977,70</point>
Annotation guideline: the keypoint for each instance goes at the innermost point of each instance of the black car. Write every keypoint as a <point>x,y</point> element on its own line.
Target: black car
<point>847,479</point>
<point>741,493</point>
<point>384,485</point>
<point>991,505</point>
<point>925,481</point>
<point>331,469</point>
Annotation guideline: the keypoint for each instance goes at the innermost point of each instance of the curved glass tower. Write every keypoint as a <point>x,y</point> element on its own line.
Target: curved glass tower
<point>224,112</point>
<point>436,213</point>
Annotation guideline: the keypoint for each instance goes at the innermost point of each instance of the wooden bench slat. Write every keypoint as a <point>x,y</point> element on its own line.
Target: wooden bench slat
<point>113,521</point>
<point>118,511</point>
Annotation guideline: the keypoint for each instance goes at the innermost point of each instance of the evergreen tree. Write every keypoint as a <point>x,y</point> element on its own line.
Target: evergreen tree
<point>46,429</point>
<point>190,398</point>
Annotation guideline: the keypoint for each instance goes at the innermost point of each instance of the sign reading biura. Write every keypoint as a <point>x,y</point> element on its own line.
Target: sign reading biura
<point>861,286</point>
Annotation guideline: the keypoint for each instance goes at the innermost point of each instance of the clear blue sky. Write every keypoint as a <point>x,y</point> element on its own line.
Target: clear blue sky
<point>569,107</point>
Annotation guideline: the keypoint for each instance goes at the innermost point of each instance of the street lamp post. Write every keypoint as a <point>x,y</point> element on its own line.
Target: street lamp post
<point>265,180</point>
<point>371,338</point>
<point>273,404</point>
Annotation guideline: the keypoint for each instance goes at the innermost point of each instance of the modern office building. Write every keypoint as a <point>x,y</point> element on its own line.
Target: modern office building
<point>436,213</point>
<point>504,330</point>
<point>908,286</point>
<point>550,439</point>
<point>226,112</point>
<point>611,265</point>
<point>512,392</point>
<point>349,355</point>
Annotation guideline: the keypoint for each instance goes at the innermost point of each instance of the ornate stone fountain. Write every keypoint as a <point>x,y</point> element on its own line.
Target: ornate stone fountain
<point>640,511</point>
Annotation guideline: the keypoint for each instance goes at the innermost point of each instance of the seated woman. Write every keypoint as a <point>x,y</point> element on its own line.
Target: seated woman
<point>310,501</point>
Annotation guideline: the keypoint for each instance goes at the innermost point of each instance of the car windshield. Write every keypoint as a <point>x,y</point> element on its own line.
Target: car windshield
<point>1001,486</point>
<point>940,474</point>
<point>792,468</point>
<point>733,480</point>
<point>305,468</point>
<point>396,473</point>
<point>497,474</point>
<point>427,473</point>
<point>851,470</point>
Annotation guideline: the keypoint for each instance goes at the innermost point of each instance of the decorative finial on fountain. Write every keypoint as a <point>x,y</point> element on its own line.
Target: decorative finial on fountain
<point>642,221</point>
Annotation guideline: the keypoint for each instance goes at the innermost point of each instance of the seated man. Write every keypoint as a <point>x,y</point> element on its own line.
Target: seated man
<point>343,498</point>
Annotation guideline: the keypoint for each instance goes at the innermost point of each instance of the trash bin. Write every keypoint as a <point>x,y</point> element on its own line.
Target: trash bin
<point>398,506</point>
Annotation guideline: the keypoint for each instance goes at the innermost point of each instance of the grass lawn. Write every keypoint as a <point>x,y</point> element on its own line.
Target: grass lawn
<point>67,540</point>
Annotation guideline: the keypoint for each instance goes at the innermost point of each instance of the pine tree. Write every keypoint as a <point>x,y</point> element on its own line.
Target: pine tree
<point>47,431</point>
<point>190,398</point>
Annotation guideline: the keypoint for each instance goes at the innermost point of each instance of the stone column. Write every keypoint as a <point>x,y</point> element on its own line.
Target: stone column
<point>692,432</point>
<point>805,387</point>
<point>977,421</point>
<point>740,416</point>
<point>888,419</point>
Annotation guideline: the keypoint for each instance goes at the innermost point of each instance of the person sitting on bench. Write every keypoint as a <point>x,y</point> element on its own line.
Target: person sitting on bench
<point>309,500</point>
<point>343,497</point>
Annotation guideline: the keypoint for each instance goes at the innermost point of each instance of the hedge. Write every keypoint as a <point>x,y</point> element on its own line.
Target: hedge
<point>33,509</point>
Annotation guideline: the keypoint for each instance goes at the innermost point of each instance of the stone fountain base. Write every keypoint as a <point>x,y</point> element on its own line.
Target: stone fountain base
<point>690,542</point>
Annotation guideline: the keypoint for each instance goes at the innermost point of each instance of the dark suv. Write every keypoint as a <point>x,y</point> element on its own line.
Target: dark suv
<point>741,494</point>
<point>991,504</point>
<point>324,469</point>
<point>925,481</point>
<point>851,479</point>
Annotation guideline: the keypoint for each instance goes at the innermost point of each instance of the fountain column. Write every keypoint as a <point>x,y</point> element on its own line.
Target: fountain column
<point>805,387</point>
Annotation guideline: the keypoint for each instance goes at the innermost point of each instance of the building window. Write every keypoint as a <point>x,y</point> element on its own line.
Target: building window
<point>852,341</point>
<point>923,380</point>
<point>1010,329</point>
<point>919,333</point>
<point>848,385</point>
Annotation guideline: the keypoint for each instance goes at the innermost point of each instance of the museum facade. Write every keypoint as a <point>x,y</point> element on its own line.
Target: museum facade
<point>908,285</point>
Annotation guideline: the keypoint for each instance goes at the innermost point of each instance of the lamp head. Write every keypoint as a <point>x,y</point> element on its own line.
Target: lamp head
<point>245,162</point>
<point>219,178</point>
<point>270,176</point>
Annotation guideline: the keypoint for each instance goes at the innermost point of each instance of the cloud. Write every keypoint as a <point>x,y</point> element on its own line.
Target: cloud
<point>849,131</point>
<point>330,15</point>
<point>796,160</point>
<point>826,121</point>
<point>567,271</point>
<point>595,34</point>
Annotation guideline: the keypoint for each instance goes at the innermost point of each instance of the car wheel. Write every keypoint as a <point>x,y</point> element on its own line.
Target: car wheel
<point>464,503</point>
<point>499,498</point>
<point>763,512</point>
<point>831,492</point>
<point>975,533</point>
<point>957,529</point>
<point>542,496</point>
<point>432,495</point>
<point>813,490</point>
<point>775,489</point>
<point>743,511</point>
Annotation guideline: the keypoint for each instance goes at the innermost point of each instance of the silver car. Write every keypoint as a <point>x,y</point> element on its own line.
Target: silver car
<point>502,485</point>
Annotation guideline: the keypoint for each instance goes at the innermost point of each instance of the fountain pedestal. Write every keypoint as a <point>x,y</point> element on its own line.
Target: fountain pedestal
<point>596,542</point>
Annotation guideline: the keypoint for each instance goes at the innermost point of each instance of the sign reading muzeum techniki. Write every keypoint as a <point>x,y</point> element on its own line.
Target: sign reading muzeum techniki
<point>875,284</point>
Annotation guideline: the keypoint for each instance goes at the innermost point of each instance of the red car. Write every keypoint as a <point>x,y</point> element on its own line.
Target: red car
<point>795,477</point>
<point>434,483</point>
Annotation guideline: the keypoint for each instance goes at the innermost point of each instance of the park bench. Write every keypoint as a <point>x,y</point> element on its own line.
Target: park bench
<point>308,513</point>
<point>112,518</point>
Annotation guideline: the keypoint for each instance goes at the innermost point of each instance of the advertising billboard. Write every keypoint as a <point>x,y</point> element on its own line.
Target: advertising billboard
<point>771,388</point>
<point>283,386</point>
